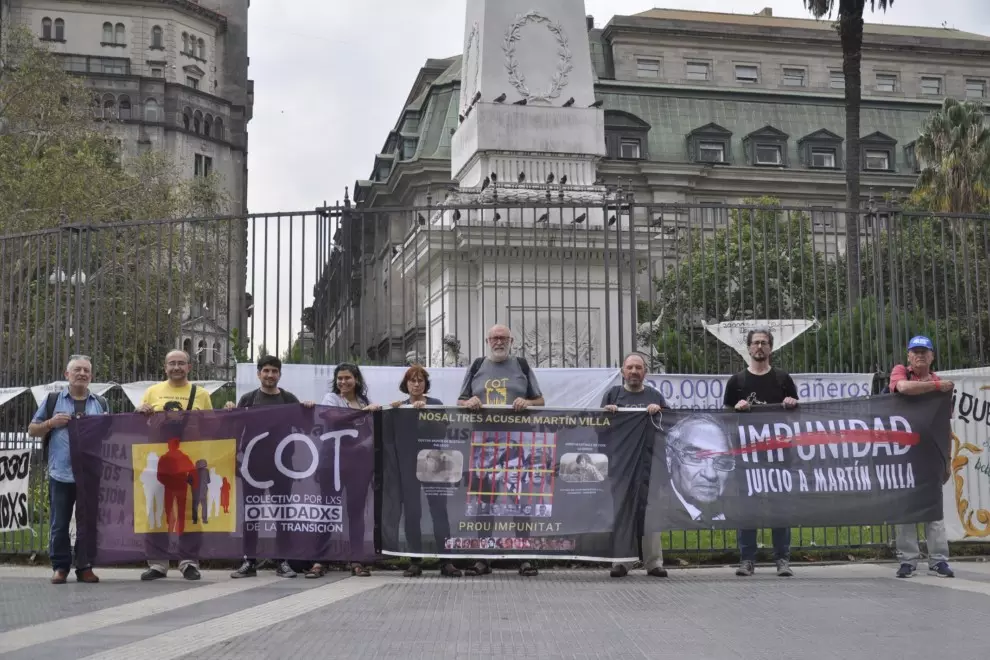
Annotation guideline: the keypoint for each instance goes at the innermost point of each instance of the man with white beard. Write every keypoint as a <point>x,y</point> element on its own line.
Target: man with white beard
<point>500,380</point>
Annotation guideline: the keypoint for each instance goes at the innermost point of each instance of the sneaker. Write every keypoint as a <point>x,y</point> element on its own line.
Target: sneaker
<point>619,571</point>
<point>941,569</point>
<point>784,568</point>
<point>247,569</point>
<point>191,573</point>
<point>905,571</point>
<point>657,571</point>
<point>745,569</point>
<point>152,574</point>
<point>284,570</point>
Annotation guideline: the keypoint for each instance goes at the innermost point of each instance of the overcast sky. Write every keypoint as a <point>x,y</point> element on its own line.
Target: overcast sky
<point>331,77</point>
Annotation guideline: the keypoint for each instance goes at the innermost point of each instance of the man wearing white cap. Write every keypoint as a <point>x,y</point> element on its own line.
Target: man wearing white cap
<point>911,380</point>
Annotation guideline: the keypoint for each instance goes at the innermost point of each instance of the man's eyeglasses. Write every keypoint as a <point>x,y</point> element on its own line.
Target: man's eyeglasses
<point>176,364</point>
<point>695,459</point>
<point>759,343</point>
<point>499,340</point>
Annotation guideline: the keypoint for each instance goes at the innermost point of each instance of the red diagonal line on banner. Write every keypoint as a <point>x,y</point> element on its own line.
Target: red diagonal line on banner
<point>857,436</point>
<point>530,470</point>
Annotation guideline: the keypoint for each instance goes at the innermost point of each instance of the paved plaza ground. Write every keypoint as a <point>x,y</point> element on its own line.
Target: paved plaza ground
<point>844,611</point>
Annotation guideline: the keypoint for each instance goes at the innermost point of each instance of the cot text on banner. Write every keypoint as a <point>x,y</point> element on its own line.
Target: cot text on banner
<point>15,469</point>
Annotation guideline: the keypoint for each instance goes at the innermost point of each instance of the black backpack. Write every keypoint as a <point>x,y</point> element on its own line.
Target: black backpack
<point>50,402</point>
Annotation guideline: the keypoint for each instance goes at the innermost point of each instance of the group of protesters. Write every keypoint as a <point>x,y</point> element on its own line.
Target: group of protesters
<point>499,378</point>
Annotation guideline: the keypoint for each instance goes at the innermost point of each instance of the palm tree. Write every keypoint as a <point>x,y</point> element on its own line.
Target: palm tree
<point>954,150</point>
<point>850,27</point>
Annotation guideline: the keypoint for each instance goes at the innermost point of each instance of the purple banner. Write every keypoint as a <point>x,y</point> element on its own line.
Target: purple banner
<point>278,482</point>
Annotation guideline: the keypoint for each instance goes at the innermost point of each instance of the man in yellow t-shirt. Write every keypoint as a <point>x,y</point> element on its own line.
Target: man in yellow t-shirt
<point>174,395</point>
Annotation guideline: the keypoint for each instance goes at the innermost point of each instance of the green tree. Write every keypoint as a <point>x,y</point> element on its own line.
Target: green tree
<point>850,28</point>
<point>78,274</point>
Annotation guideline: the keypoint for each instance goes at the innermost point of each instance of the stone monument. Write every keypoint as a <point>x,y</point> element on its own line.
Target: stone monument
<point>535,226</point>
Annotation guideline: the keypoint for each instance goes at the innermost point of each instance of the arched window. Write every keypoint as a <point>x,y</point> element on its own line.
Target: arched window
<point>46,28</point>
<point>218,128</point>
<point>201,351</point>
<point>109,106</point>
<point>202,49</point>
<point>197,121</point>
<point>185,42</point>
<point>157,37</point>
<point>97,107</point>
<point>187,345</point>
<point>208,125</point>
<point>186,118</point>
<point>108,33</point>
<point>124,106</point>
<point>151,110</point>
<point>119,34</point>
<point>59,29</point>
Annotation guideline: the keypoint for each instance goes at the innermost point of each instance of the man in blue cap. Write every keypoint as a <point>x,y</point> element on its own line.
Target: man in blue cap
<point>918,378</point>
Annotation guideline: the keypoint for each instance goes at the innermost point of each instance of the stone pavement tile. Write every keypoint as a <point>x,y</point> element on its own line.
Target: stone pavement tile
<point>111,637</point>
<point>821,614</point>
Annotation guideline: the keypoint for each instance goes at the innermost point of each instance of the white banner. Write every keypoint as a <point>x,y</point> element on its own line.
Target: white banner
<point>41,391</point>
<point>9,393</point>
<point>135,391</point>
<point>15,468</point>
<point>733,333</point>
<point>562,388</point>
<point>699,392</point>
<point>967,494</point>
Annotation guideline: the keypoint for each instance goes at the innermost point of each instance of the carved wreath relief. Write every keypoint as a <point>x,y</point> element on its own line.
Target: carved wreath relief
<point>564,65</point>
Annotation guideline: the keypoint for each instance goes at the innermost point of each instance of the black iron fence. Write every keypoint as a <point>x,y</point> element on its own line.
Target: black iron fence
<point>579,285</point>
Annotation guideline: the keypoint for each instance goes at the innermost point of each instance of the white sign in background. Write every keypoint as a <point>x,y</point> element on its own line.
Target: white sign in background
<point>15,470</point>
<point>966,496</point>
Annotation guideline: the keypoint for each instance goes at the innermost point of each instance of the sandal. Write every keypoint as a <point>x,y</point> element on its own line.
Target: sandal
<point>358,570</point>
<point>449,570</point>
<point>317,571</point>
<point>528,570</point>
<point>414,570</point>
<point>479,568</point>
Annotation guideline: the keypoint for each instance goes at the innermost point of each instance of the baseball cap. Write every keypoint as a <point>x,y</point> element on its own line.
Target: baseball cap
<point>921,342</point>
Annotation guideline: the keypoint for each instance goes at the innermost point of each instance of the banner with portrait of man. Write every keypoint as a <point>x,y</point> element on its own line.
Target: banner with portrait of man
<point>868,461</point>
<point>499,483</point>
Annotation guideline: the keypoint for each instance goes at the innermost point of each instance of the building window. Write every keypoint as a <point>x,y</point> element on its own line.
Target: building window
<point>218,128</point>
<point>886,82</point>
<point>157,72</point>
<point>151,111</point>
<point>119,36</point>
<point>836,80</point>
<point>976,89</point>
<point>202,49</point>
<point>124,107</point>
<point>157,37</point>
<point>768,154</point>
<point>877,160</point>
<point>747,73</point>
<point>712,213</point>
<point>109,107</point>
<point>630,148</point>
<point>185,42</point>
<point>197,121</point>
<point>698,71</point>
<point>203,165</point>
<point>911,157</point>
<point>192,82</point>
<point>711,152</point>
<point>823,157</point>
<point>647,68</point>
<point>823,216</point>
<point>793,77</point>
<point>108,33</point>
<point>208,125</point>
<point>59,29</point>
<point>931,85</point>
<point>46,28</point>
<point>186,118</point>
<point>114,66</point>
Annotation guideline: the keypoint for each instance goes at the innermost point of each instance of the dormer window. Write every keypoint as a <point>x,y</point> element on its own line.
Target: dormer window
<point>766,147</point>
<point>709,144</point>
<point>821,150</point>
<point>625,135</point>
<point>878,153</point>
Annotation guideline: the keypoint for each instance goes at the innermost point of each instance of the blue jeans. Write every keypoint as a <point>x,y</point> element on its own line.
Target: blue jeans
<point>781,544</point>
<point>61,502</point>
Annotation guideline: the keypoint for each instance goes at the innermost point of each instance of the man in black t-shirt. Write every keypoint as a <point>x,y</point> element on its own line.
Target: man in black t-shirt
<point>269,394</point>
<point>635,393</point>
<point>759,385</point>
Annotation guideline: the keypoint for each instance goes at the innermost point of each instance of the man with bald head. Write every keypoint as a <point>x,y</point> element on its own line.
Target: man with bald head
<point>500,379</point>
<point>174,395</point>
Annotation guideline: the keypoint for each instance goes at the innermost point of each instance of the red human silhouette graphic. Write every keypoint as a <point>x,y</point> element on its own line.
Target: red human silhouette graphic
<point>225,496</point>
<point>176,472</point>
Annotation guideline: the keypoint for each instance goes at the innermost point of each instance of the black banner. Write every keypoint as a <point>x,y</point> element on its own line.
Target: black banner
<point>871,461</point>
<point>498,483</point>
